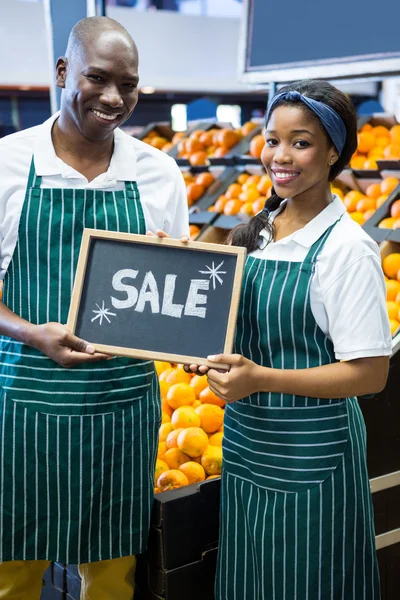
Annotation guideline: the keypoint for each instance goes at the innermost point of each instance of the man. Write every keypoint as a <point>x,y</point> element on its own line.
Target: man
<point>77,445</point>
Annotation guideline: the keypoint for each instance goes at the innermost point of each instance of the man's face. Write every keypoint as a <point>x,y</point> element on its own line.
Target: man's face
<point>100,83</point>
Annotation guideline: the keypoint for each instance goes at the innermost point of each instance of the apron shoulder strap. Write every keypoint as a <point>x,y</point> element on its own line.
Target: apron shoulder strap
<point>34,181</point>
<point>319,244</point>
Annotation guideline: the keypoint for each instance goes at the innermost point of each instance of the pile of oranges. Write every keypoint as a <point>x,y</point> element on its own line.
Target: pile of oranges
<point>246,196</point>
<point>376,143</point>
<point>190,438</point>
<point>201,145</point>
<point>361,206</point>
<point>161,143</point>
<point>197,185</point>
<point>391,269</point>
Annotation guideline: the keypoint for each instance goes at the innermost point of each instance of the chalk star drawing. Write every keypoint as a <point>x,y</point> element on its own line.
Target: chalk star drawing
<point>102,313</point>
<point>214,273</point>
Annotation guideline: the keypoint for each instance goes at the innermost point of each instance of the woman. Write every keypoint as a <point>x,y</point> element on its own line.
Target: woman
<point>312,333</point>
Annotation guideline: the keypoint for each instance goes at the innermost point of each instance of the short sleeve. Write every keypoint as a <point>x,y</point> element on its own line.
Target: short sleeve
<point>355,304</point>
<point>176,218</point>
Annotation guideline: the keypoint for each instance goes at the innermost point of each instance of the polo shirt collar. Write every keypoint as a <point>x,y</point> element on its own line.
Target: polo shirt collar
<point>122,165</point>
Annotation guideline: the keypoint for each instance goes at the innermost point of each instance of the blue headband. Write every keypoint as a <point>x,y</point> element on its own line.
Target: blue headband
<point>329,118</point>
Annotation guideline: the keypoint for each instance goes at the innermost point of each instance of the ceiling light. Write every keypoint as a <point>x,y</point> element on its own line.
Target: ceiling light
<point>148,89</point>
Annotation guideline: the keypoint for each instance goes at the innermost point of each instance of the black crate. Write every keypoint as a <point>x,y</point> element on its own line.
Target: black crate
<point>194,581</point>
<point>73,582</point>
<point>58,577</point>
<point>371,226</point>
<point>184,522</point>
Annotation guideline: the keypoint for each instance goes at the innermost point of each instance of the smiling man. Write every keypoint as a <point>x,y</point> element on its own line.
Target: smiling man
<point>78,432</point>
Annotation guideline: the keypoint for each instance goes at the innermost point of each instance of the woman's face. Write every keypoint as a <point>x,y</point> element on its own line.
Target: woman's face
<point>297,154</point>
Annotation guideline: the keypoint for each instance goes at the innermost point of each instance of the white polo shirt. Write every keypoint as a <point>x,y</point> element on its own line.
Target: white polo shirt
<point>160,182</point>
<point>347,292</point>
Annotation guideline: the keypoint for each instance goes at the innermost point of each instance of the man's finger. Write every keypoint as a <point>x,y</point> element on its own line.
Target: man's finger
<point>79,345</point>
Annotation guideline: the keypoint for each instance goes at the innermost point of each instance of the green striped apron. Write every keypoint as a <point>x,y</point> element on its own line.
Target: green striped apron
<point>77,446</point>
<point>296,515</point>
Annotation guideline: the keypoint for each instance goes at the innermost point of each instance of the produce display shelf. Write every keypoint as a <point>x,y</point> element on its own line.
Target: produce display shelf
<point>372,225</point>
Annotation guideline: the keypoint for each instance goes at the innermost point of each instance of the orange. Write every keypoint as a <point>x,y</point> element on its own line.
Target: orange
<point>246,208</point>
<point>366,127</point>
<point>163,376</point>
<point>198,158</point>
<point>389,184</point>
<point>382,141</point>
<point>395,209</point>
<point>171,441</point>
<point>365,204</point>
<point>380,130</point>
<point>392,151</point>
<point>165,417</point>
<point>392,289</point>
<point>211,460</point>
<point>193,471</point>
<point>199,383</point>
<point>264,185</point>
<point>373,190</point>
<point>387,223</point>
<point>158,142</point>
<point>187,176</point>
<point>392,309</point>
<point>162,448</point>
<point>206,138</point>
<point>394,325</point>
<point>193,145</point>
<point>196,403</point>
<point>171,480</point>
<point>205,179</point>
<point>161,366</point>
<point>212,477</point>
<point>233,191</point>
<point>366,140</point>
<point>220,152</point>
<point>207,396</point>
<point>357,162</point>
<point>370,163</point>
<point>180,394</point>
<point>174,457</point>
<point>177,137</point>
<point>216,438</point>
<point>177,376</point>
<point>193,231</point>
<point>391,265</point>
<point>227,138</point>
<point>351,198</point>
<point>258,205</point>
<point>395,133</point>
<point>243,177</point>
<point>358,217</point>
<point>165,407</point>
<point>381,200</point>
<point>220,203</point>
<point>247,127</point>
<point>368,214</point>
<point>161,467</point>
<point>211,417</point>
<point>194,191</point>
<point>165,429</point>
<point>398,299</point>
<point>232,207</point>
<point>249,195</point>
<point>193,441</point>
<point>256,146</point>
<point>185,416</point>
<point>253,180</point>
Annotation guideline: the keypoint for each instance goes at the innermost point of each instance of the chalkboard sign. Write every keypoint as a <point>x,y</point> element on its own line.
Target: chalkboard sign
<point>147,297</point>
<point>287,41</point>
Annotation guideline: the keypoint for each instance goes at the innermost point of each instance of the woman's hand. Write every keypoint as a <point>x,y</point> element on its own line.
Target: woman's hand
<point>242,379</point>
<point>161,234</point>
<point>59,344</point>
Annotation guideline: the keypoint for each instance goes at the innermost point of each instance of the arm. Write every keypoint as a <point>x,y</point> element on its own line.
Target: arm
<point>338,380</point>
<point>53,339</point>
<point>176,220</point>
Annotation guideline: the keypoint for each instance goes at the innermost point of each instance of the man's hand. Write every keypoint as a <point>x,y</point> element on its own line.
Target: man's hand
<point>59,344</point>
<point>161,234</point>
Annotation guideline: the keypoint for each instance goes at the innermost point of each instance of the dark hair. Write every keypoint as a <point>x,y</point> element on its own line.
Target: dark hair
<point>247,234</point>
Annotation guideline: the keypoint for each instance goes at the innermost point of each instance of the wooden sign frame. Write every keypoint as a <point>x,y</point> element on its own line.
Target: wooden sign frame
<point>92,234</point>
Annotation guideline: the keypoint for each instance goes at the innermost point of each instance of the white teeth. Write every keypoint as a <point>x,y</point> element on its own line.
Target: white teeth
<point>285,175</point>
<point>104,116</point>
